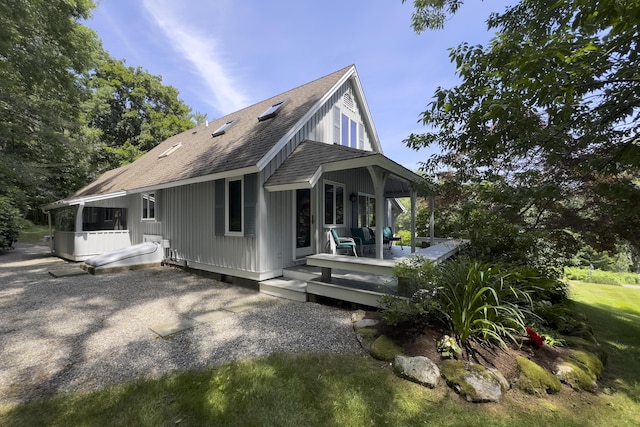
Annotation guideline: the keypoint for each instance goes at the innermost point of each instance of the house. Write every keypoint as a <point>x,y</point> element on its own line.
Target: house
<point>250,193</point>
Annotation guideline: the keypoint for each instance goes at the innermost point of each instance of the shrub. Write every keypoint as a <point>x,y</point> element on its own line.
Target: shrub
<point>9,217</point>
<point>601,277</point>
<point>468,298</point>
<point>471,297</point>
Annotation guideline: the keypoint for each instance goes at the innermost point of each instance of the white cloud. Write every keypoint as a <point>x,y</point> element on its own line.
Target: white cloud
<point>202,53</point>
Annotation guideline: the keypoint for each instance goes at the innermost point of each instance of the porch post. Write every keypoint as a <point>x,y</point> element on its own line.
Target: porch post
<point>413,220</point>
<point>79,218</point>
<point>432,204</point>
<point>379,178</point>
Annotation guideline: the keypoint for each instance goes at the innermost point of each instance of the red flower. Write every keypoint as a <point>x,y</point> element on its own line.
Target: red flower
<point>536,339</point>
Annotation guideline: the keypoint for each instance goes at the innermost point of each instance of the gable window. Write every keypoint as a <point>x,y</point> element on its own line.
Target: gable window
<point>333,204</point>
<point>271,111</point>
<point>149,206</point>
<point>349,132</point>
<point>234,209</point>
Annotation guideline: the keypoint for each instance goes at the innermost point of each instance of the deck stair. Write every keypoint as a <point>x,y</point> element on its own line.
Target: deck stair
<point>292,289</point>
<point>292,285</point>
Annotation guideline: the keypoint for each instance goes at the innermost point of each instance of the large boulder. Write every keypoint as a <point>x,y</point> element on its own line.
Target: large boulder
<point>472,381</point>
<point>385,349</point>
<point>418,369</point>
<point>534,379</point>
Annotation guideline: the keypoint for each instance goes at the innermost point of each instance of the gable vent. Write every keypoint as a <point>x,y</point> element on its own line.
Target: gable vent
<point>347,101</point>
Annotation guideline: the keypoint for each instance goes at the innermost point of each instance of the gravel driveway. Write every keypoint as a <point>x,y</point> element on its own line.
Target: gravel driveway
<point>81,333</point>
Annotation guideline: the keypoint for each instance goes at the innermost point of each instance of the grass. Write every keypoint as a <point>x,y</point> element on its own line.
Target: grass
<point>614,314</point>
<point>32,233</point>
<point>347,390</point>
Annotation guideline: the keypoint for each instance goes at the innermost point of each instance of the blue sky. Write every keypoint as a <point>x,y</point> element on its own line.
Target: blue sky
<point>223,55</point>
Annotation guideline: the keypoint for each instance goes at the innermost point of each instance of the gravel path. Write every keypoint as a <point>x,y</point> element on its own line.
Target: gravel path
<point>82,333</point>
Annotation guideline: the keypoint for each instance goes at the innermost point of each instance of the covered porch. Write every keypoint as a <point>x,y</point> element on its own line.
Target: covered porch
<point>341,191</point>
<point>80,231</point>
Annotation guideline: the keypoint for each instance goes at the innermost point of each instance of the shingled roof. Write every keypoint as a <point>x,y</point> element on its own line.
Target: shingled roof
<point>306,159</point>
<point>241,147</point>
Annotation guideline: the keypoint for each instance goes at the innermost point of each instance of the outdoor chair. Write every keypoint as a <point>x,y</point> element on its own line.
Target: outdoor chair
<point>388,238</point>
<point>343,243</point>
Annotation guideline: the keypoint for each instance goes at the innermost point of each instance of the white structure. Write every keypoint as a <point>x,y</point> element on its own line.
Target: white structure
<point>251,193</point>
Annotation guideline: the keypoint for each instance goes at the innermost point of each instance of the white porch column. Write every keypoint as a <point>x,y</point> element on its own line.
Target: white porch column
<point>379,178</point>
<point>79,218</point>
<point>414,195</point>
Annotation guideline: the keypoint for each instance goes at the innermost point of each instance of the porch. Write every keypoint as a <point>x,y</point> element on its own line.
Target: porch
<point>363,280</point>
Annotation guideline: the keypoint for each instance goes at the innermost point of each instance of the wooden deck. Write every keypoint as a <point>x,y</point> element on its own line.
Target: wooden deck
<point>360,280</point>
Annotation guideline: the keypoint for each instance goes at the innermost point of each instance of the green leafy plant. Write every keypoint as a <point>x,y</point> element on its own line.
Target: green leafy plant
<point>9,223</point>
<point>415,273</point>
<point>471,300</point>
<point>601,277</point>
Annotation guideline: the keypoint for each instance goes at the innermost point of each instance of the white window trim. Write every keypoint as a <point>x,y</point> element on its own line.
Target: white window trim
<point>227,209</point>
<point>155,206</point>
<point>344,205</point>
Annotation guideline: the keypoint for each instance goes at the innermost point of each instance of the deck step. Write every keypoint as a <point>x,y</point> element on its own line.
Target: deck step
<point>292,289</point>
<point>301,272</point>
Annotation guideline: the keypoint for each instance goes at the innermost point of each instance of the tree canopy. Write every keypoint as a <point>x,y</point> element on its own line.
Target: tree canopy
<point>547,113</point>
<point>68,111</point>
<point>130,112</point>
<point>43,50</point>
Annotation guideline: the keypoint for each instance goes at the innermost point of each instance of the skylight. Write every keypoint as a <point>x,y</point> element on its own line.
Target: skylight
<point>170,150</point>
<point>271,111</point>
<point>222,129</point>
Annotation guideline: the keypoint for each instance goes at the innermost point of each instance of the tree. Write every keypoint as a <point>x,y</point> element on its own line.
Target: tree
<point>130,112</point>
<point>548,113</point>
<point>43,50</point>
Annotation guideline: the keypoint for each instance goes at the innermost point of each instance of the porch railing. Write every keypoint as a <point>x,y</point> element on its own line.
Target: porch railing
<point>78,246</point>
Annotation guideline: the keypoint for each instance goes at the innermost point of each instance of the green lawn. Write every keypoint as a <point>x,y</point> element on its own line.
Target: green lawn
<point>335,390</point>
<point>32,233</point>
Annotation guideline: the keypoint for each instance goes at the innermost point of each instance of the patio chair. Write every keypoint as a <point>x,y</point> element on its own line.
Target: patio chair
<point>388,238</point>
<point>343,243</point>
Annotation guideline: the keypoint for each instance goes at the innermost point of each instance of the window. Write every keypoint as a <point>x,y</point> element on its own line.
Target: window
<point>271,111</point>
<point>366,211</point>
<point>170,150</point>
<point>345,130</point>
<point>349,133</point>
<point>222,129</point>
<point>149,206</point>
<point>333,204</point>
<point>235,207</point>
